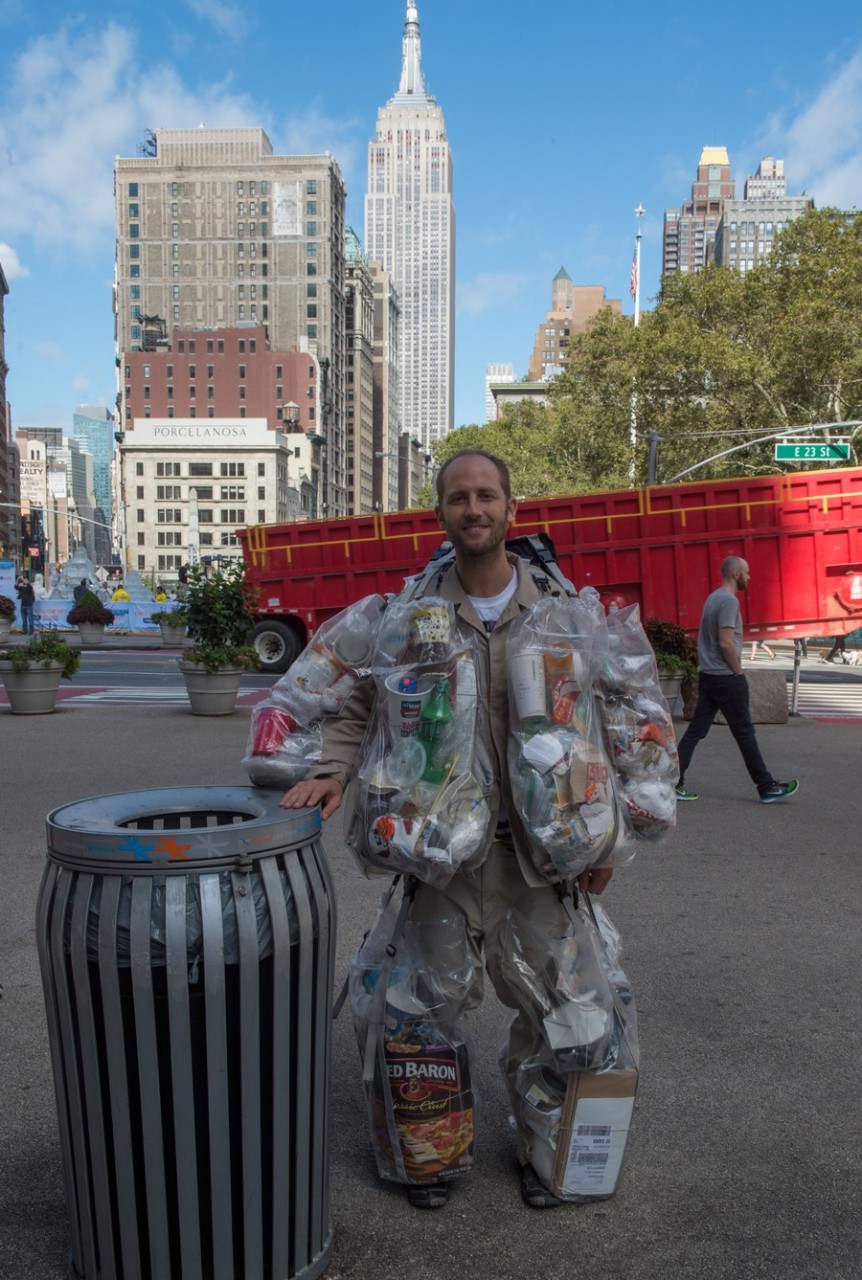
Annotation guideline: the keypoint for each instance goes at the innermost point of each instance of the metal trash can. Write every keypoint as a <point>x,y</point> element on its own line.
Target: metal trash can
<point>186,938</point>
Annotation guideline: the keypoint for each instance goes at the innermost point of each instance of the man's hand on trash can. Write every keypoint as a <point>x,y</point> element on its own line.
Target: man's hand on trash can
<point>327,792</point>
<point>595,879</point>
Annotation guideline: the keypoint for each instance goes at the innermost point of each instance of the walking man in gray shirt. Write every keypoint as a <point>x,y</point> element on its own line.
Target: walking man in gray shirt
<point>722,686</point>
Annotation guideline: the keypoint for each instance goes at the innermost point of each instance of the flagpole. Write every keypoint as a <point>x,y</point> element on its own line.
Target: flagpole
<point>636,294</point>
<point>639,213</point>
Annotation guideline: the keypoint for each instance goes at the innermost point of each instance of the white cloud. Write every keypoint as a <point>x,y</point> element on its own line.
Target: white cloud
<point>228,19</point>
<point>311,133</point>
<point>492,289</point>
<point>50,352</point>
<point>13,267</point>
<point>71,103</point>
<point>823,145</point>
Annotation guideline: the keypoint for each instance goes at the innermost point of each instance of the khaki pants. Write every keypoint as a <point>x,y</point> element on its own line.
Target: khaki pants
<point>484,898</point>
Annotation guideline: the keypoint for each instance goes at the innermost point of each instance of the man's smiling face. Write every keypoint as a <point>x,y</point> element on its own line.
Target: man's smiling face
<point>474,510</point>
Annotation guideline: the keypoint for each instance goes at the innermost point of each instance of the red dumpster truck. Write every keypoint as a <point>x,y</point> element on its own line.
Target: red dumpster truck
<point>659,547</point>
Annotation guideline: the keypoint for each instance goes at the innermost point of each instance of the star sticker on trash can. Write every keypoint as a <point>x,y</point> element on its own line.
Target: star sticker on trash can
<point>177,852</point>
<point>132,844</point>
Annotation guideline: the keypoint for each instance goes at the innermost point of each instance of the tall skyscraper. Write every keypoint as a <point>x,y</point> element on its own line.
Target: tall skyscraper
<point>93,428</point>
<point>572,308</point>
<point>495,373</point>
<point>410,229</point>
<point>690,229</point>
<point>215,231</point>
<point>747,230</point>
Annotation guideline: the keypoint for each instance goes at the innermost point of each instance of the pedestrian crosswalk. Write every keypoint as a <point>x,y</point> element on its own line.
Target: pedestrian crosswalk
<point>133,694</point>
<point>839,701</point>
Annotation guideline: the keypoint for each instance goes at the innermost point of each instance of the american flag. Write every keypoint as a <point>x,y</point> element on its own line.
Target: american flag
<point>633,281</point>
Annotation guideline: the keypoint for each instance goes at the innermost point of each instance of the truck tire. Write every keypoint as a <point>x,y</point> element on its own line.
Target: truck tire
<point>277,645</point>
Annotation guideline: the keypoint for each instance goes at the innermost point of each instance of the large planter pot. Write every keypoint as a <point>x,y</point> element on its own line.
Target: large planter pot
<point>5,628</point>
<point>211,693</point>
<point>32,692</point>
<point>671,684</point>
<point>172,636</point>
<point>91,632</point>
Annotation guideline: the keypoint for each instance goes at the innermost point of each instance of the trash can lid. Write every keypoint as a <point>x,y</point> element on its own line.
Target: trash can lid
<point>167,829</point>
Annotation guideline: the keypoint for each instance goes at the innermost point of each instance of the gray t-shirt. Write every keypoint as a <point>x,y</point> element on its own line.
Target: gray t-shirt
<point>720,610</point>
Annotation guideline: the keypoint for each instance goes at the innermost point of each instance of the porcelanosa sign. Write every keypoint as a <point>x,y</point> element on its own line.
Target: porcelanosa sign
<point>197,433</point>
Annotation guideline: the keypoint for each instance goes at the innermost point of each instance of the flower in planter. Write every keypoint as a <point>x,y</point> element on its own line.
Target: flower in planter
<point>177,617</point>
<point>674,648</point>
<point>43,650</point>
<point>7,608</point>
<point>89,609</point>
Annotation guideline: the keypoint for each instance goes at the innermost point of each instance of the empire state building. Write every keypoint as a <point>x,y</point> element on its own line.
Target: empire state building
<point>410,229</point>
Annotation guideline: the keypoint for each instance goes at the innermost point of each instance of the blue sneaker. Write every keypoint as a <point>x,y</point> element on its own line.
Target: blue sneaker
<point>780,791</point>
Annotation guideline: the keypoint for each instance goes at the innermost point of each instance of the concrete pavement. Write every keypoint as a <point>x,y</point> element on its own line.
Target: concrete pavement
<point>741,940</point>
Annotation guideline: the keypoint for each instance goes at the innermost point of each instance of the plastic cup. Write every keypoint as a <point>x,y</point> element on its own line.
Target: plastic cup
<point>404,703</point>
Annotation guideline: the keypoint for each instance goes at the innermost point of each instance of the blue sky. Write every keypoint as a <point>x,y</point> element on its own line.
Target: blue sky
<point>561,120</point>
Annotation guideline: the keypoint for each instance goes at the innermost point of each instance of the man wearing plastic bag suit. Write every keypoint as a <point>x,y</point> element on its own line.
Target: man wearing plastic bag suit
<point>489,588</point>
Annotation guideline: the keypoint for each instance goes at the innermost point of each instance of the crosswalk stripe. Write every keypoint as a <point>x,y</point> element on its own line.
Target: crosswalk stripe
<point>837,701</point>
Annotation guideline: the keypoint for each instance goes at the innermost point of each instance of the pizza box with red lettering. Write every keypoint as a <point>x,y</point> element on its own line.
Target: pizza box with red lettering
<point>594,1130</point>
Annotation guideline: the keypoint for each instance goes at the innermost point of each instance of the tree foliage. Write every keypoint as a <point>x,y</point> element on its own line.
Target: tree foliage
<point>723,360</point>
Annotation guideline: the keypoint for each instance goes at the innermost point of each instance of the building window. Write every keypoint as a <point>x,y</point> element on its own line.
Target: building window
<point>200,469</point>
<point>134,211</point>
<point>311,310</point>
<point>232,493</point>
<point>133,188</point>
<point>139,468</point>
<point>134,251</point>
<point>311,187</point>
<point>312,331</point>
<point>134,231</point>
<point>261,468</point>
<point>221,346</point>
<point>311,268</point>
<point>311,229</point>
<point>141,542</point>
<point>311,291</point>
<point>261,492</point>
<point>232,469</point>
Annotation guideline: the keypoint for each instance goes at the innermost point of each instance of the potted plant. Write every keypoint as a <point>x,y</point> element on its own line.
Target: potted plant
<point>172,623</point>
<point>7,616</point>
<point>675,655</point>
<point>91,617</point>
<point>219,615</point>
<point>32,672</point>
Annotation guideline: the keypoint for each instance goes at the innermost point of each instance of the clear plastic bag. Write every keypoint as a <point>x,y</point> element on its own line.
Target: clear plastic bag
<point>577,1157</point>
<point>407,993</point>
<point>284,741</point>
<point>560,773</point>
<point>638,726</point>
<point>418,802</point>
<point>562,985</point>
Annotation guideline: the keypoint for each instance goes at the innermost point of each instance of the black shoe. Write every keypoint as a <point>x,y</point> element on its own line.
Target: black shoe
<point>534,1191</point>
<point>780,791</point>
<point>431,1195</point>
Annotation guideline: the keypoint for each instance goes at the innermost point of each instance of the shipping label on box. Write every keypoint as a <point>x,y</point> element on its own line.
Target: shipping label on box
<point>597,1114</point>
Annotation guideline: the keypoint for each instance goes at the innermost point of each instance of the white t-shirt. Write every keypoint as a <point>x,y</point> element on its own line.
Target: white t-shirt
<point>490,608</point>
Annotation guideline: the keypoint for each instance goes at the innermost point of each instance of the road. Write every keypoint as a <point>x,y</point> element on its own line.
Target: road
<point>741,940</point>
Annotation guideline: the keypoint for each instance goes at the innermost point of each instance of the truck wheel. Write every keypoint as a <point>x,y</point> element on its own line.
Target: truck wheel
<point>276,644</point>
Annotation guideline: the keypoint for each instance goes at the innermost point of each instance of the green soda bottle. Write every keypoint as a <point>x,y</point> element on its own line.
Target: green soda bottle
<point>435,732</point>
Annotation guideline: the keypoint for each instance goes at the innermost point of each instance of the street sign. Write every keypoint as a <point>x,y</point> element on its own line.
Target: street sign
<point>837,451</point>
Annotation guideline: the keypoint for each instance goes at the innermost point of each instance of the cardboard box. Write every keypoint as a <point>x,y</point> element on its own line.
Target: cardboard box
<point>591,1143</point>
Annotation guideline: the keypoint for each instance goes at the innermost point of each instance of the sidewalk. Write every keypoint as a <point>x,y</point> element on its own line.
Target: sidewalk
<point>741,941</point>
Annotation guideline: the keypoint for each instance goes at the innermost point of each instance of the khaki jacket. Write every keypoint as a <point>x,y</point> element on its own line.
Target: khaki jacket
<point>342,734</point>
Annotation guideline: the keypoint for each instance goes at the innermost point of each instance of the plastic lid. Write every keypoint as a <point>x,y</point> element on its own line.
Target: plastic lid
<point>406,764</point>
